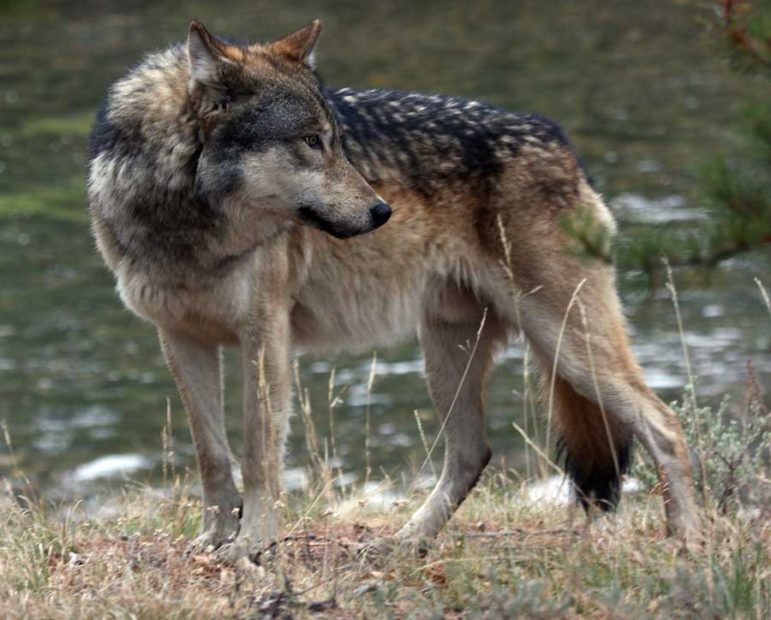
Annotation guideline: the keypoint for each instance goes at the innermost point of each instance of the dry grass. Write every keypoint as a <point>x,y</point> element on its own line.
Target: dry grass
<point>498,558</point>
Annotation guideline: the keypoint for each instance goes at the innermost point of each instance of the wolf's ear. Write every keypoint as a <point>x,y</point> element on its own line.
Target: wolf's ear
<point>204,54</point>
<point>300,44</point>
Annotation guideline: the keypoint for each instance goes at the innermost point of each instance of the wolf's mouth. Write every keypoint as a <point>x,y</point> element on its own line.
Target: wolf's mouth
<point>309,216</point>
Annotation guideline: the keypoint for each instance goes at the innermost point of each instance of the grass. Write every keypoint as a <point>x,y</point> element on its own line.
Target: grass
<point>499,557</point>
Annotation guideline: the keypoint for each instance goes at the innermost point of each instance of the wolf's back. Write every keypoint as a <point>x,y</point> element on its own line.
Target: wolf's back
<point>428,141</point>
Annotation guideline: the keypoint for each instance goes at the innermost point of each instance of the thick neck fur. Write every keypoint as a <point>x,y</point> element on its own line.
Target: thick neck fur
<point>142,184</point>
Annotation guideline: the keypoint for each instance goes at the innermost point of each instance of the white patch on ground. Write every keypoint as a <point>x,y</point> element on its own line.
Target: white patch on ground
<point>556,490</point>
<point>111,466</point>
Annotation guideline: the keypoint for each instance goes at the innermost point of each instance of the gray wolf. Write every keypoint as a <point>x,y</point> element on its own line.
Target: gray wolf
<point>238,202</point>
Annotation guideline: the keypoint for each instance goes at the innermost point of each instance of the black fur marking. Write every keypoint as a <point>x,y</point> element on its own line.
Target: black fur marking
<point>438,139</point>
<point>171,221</point>
<point>223,177</point>
<point>104,135</point>
<point>597,486</point>
<point>117,140</point>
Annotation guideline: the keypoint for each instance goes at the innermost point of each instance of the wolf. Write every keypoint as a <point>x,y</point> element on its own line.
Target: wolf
<point>240,202</point>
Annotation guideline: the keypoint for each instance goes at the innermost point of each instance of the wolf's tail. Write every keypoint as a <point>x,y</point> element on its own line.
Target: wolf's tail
<point>596,451</point>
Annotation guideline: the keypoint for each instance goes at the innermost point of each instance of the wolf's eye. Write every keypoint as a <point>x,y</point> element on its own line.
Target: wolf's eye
<point>313,141</point>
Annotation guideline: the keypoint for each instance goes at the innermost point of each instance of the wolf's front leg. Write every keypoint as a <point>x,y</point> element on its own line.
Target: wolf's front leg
<point>267,381</point>
<point>197,370</point>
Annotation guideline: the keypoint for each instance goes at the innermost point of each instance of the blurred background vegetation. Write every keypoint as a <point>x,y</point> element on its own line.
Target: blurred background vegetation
<point>737,183</point>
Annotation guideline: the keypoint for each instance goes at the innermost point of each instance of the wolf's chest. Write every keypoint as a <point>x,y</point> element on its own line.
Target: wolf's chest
<point>357,313</point>
<point>211,313</point>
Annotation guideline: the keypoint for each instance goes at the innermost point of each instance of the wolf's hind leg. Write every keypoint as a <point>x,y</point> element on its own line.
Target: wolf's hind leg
<point>197,370</point>
<point>448,342</point>
<point>599,397</point>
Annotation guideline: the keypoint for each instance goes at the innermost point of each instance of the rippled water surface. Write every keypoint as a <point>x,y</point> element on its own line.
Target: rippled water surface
<point>83,389</point>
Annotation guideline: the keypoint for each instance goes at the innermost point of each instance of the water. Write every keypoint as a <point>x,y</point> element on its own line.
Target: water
<point>83,389</point>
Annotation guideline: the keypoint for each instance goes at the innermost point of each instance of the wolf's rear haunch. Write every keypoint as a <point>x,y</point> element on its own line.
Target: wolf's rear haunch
<point>240,203</point>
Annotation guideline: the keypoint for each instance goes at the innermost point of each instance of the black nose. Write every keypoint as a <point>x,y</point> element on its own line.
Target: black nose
<point>380,213</point>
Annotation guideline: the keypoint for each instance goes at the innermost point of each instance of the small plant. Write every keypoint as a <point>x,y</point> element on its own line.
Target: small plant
<point>730,453</point>
<point>592,238</point>
<point>746,33</point>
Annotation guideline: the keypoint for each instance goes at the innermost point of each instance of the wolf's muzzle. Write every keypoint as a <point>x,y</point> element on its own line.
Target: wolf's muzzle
<point>379,214</point>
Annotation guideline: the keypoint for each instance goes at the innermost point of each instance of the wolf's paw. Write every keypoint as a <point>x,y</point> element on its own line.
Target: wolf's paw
<point>211,540</point>
<point>233,552</point>
<point>691,539</point>
<point>414,546</point>
<point>244,548</point>
<point>377,549</point>
<point>686,531</point>
<point>383,547</point>
<point>219,526</point>
<point>216,533</point>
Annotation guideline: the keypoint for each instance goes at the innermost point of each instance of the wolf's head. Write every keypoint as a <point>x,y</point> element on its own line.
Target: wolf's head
<point>269,139</point>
